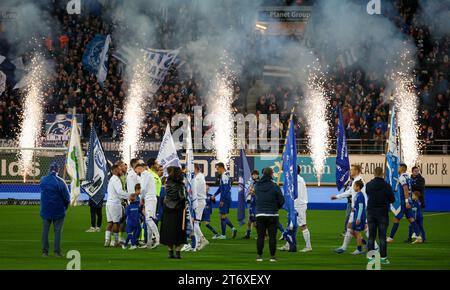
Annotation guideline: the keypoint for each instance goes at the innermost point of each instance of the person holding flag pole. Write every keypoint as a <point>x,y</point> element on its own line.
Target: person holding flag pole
<point>75,165</point>
<point>96,182</point>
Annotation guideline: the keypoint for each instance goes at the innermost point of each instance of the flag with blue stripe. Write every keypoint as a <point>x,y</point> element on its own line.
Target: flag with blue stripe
<point>245,182</point>
<point>392,162</point>
<point>290,174</point>
<point>97,170</point>
<point>95,56</point>
<point>342,161</point>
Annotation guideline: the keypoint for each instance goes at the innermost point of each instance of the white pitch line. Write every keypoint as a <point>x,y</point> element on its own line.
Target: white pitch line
<point>436,214</point>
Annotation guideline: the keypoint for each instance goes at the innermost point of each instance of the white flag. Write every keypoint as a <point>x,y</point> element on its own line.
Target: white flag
<point>75,165</point>
<point>167,155</point>
<point>102,66</point>
<point>189,153</point>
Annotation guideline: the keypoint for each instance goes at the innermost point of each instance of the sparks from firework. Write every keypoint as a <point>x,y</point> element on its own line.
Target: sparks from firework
<point>407,109</point>
<point>406,103</point>
<point>317,123</point>
<point>219,103</point>
<point>134,111</point>
<point>32,114</point>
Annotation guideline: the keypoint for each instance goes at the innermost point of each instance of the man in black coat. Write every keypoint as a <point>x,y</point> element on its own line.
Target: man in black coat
<point>418,184</point>
<point>380,196</point>
<point>269,201</point>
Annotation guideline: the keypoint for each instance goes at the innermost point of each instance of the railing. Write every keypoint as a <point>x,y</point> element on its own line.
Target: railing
<point>355,146</point>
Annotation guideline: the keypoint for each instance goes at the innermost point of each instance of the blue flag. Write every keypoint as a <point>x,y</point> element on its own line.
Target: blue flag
<point>290,174</point>
<point>97,170</point>
<point>245,182</point>
<point>392,163</point>
<point>342,162</point>
<point>95,56</point>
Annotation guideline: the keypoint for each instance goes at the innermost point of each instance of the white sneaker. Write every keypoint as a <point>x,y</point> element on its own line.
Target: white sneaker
<point>185,248</point>
<point>222,237</point>
<point>204,242</point>
<point>215,237</point>
<point>413,236</point>
<point>98,229</point>
<point>90,230</point>
<point>284,248</point>
<point>418,240</point>
<point>132,248</point>
<point>155,244</point>
<point>356,252</point>
<point>124,247</point>
<point>107,243</point>
<point>304,250</point>
<point>113,244</point>
<point>389,240</point>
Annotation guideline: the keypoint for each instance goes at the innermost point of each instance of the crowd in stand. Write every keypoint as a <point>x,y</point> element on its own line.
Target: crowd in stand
<point>360,96</point>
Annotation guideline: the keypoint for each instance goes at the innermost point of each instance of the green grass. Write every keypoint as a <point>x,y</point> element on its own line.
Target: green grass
<point>20,246</point>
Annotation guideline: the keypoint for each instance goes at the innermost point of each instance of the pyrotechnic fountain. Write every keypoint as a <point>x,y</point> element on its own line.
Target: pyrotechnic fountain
<point>134,111</point>
<point>32,114</point>
<point>220,101</point>
<point>316,117</point>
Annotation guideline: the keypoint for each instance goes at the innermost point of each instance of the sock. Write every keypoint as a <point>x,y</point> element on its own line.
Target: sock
<point>422,231</point>
<point>410,232</point>
<point>108,236</point>
<point>364,242</point>
<point>228,222</point>
<point>347,239</point>
<point>116,237</point>
<point>121,236</point>
<point>193,242</point>
<point>223,226</point>
<point>247,234</point>
<point>307,237</point>
<point>212,229</point>
<point>154,230</point>
<point>393,230</point>
<point>359,248</point>
<point>415,228</point>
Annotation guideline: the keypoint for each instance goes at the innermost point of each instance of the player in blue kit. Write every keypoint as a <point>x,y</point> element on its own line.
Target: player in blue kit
<point>225,200</point>
<point>133,225</point>
<point>251,203</point>
<point>404,186</point>
<point>418,218</point>
<point>207,212</point>
<point>359,215</point>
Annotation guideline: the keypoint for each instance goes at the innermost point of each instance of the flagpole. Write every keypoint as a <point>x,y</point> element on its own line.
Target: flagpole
<point>386,145</point>
<point>285,141</point>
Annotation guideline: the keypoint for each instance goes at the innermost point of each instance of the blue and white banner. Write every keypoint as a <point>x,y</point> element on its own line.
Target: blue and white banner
<point>159,61</point>
<point>245,182</point>
<point>57,129</point>
<point>342,161</point>
<point>95,56</point>
<point>167,155</point>
<point>97,170</point>
<point>392,162</point>
<point>290,175</point>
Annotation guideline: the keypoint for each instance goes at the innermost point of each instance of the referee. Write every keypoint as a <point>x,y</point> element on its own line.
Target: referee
<point>380,196</point>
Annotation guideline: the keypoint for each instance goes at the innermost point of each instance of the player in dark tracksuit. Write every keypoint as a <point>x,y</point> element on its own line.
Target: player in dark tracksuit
<point>133,225</point>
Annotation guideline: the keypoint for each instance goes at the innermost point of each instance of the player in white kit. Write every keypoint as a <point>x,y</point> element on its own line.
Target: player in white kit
<point>199,203</point>
<point>150,202</point>
<point>114,207</point>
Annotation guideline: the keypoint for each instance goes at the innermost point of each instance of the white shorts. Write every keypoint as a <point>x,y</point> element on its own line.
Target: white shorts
<point>200,206</point>
<point>150,208</point>
<point>113,213</point>
<point>301,215</point>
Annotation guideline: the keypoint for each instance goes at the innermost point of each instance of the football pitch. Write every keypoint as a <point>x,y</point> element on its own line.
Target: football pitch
<point>20,246</point>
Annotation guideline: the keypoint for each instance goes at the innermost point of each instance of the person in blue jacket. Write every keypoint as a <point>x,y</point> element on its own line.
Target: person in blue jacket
<point>55,200</point>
